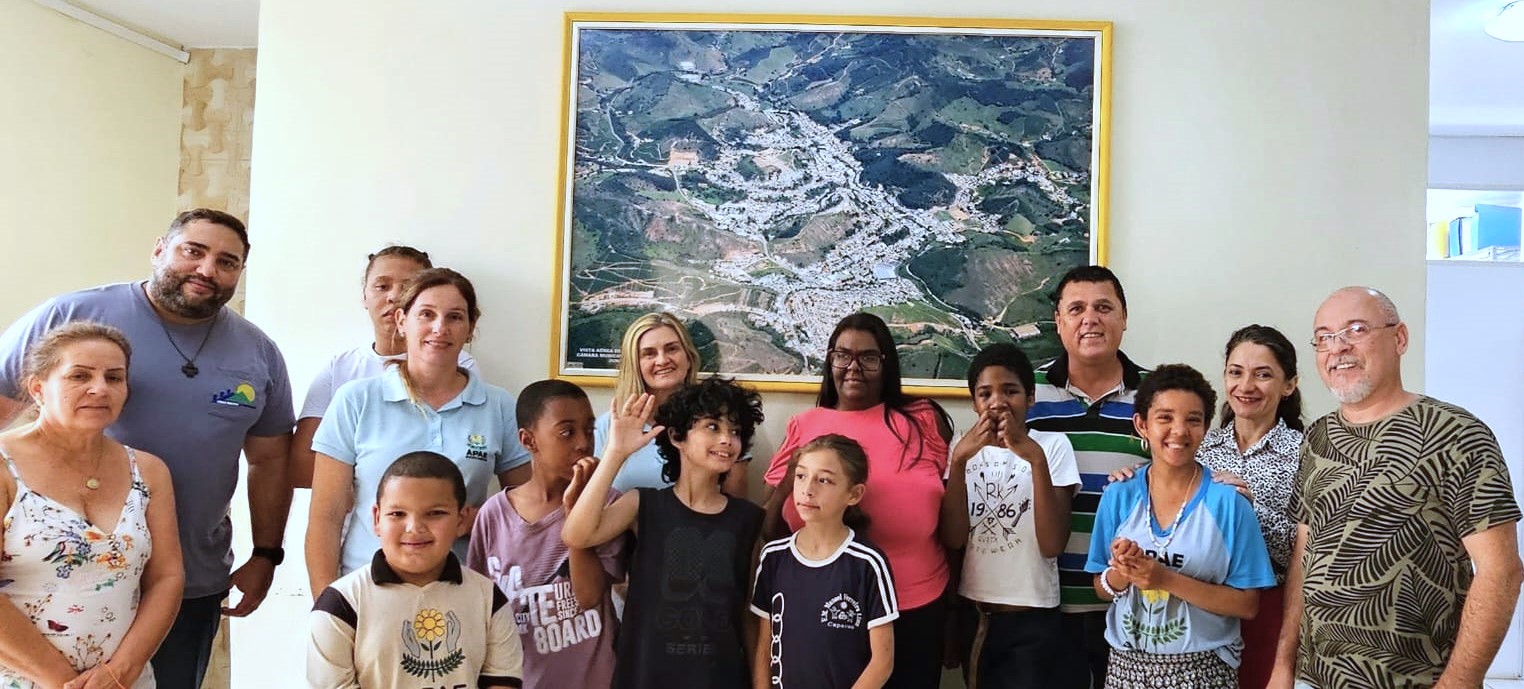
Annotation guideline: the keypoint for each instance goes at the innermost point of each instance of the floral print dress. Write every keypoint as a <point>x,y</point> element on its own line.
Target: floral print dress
<point>76,582</point>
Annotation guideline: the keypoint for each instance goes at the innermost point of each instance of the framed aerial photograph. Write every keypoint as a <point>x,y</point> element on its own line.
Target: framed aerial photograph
<point>760,177</point>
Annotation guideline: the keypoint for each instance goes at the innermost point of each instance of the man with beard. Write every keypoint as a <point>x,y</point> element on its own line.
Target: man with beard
<point>1397,497</point>
<point>204,385</point>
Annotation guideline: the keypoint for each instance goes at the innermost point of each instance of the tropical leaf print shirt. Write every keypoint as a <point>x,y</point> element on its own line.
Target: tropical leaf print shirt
<point>1385,572</point>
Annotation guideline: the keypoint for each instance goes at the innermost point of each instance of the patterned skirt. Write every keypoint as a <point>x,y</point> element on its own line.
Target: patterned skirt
<point>1137,670</point>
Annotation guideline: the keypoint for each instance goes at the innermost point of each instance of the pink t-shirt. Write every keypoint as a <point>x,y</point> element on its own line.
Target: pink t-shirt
<point>904,498</point>
<point>564,645</point>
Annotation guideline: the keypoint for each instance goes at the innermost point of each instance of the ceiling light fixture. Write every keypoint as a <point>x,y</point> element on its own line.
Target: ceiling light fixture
<point>1508,23</point>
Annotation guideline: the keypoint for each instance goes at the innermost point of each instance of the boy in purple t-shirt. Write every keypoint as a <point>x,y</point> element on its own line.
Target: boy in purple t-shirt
<point>559,595</point>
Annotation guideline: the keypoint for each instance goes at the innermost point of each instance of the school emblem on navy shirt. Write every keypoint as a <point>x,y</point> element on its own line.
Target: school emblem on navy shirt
<point>476,446</point>
<point>842,612</point>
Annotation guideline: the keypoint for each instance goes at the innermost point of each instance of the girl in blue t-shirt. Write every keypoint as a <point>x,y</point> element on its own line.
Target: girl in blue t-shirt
<point>824,595</point>
<point>1180,557</point>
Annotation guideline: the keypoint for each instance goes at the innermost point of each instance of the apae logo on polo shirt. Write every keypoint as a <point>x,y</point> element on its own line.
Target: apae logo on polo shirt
<point>476,446</point>
<point>241,396</point>
<point>842,612</point>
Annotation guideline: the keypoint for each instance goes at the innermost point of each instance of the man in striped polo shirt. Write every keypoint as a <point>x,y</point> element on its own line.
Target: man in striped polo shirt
<point>1087,394</point>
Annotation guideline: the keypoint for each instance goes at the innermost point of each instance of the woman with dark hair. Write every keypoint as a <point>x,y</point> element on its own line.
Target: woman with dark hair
<point>387,272</point>
<point>906,438</point>
<point>1179,555</point>
<point>423,402</point>
<point>1256,448</point>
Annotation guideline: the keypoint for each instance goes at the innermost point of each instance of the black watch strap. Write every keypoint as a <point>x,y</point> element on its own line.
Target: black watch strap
<point>274,555</point>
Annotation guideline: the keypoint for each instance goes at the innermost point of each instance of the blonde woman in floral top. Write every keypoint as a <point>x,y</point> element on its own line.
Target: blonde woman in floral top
<point>90,576</point>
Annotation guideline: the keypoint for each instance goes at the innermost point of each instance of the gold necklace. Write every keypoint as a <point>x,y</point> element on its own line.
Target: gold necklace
<point>91,481</point>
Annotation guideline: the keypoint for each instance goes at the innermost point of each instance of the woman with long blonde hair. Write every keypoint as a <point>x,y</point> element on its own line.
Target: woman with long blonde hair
<point>656,356</point>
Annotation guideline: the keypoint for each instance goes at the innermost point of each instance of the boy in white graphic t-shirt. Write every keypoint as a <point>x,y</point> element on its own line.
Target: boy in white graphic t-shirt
<point>1007,507</point>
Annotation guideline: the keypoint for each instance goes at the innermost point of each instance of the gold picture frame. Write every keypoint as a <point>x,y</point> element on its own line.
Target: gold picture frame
<point>761,175</point>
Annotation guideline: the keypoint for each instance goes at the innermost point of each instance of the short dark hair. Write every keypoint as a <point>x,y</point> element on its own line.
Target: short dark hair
<point>215,217</point>
<point>1007,356</point>
<point>418,256</point>
<point>425,464</point>
<point>1174,377</point>
<point>711,398</point>
<point>534,397</point>
<point>1089,274</point>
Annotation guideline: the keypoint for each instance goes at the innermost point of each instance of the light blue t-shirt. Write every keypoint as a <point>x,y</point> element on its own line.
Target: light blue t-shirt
<point>196,424</point>
<point>1217,540</point>
<point>371,423</point>
<point>641,470</point>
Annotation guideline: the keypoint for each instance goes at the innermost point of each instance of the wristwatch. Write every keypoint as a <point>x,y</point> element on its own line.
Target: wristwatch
<point>274,555</point>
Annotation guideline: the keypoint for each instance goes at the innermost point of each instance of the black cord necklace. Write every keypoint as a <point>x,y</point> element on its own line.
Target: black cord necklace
<point>189,369</point>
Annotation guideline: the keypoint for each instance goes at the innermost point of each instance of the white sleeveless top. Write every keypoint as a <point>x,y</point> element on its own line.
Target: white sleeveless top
<point>77,583</point>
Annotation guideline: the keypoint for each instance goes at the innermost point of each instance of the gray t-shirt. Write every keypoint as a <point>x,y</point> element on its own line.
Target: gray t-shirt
<point>197,425</point>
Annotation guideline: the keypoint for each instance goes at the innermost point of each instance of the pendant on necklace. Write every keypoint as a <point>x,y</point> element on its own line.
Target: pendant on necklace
<point>190,370</point>
<point>93,483</point>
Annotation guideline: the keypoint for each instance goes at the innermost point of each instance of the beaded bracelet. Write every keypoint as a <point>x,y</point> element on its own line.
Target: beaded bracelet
<point>1106,586</point>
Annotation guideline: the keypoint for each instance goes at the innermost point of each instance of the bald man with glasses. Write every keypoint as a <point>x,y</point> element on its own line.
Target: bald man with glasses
<point>1398,496</point>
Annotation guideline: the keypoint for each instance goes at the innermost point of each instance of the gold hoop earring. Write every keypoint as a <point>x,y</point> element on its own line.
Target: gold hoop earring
<point>1144,441</point>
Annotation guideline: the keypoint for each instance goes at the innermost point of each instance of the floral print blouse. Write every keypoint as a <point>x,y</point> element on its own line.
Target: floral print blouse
<point>78,583</point>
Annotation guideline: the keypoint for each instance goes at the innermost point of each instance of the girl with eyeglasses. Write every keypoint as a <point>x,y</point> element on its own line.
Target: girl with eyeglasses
<point>906,440</point>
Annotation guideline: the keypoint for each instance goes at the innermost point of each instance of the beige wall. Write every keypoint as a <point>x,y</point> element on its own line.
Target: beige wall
<point>217,119</point>
<point>89,129</point>
<point>1263,154</point>
<point>217,130</point>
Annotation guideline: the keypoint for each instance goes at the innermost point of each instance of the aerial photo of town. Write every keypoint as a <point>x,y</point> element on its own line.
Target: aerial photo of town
<point>763,184</point>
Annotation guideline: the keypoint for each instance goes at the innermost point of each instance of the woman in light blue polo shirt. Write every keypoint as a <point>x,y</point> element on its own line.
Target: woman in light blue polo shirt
<point>424,402</point>
<point>1179,556</point>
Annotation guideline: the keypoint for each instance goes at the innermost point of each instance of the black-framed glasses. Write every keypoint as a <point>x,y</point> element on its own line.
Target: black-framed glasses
<point>1356,333</point>
<point>869,361</point>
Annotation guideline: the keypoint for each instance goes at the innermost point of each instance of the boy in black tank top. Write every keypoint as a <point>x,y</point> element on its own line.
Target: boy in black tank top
<point>689,570</point>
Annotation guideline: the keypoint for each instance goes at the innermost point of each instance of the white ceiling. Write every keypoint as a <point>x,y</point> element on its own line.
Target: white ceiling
<point>1476,82</point>
<point>186,23</point>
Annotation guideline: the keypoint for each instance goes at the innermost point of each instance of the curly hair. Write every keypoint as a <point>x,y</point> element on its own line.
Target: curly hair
<point>1175,377</point>
<point>713,398</point>
<point>1007,356</point>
